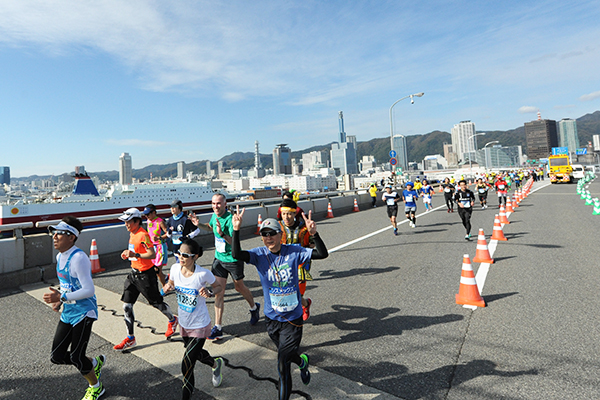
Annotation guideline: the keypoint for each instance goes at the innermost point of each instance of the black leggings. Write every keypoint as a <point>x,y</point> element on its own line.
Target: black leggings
<point>449,202</point>
<point>287,337</point>
<point>193,352</point>
<point>77,337</point>
<point>465,216</point>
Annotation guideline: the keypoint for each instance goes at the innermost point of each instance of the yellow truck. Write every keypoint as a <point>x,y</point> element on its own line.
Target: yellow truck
<point>560,169</point>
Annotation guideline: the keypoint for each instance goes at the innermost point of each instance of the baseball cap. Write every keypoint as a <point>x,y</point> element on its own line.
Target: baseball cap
<point>409,184</point>
<point>388,186</point>
<point>63,226</point>
<point>130,213</point>
<point>149,208</point>
<point>177,203</point>
<point>270,223</point>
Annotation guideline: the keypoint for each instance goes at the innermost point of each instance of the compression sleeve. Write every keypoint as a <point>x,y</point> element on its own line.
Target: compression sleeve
<point>194,233</point>
<point>236,249</point>
<point>81,268</point>
<point>320,251</point>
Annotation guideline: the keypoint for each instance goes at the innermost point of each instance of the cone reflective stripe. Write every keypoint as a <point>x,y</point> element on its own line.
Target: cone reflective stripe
<point>503,219</point>
<point>329,211</point>
<point>515,203</point>
<point>95,260</point>
<point>258,225</point>
<point>498,234</point>
<point>356,209</point>
<point>509,207</point>
<point>482,255</point>
<point>468,293</point>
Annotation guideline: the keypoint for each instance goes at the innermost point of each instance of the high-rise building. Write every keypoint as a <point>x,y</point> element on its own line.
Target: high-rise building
<point>341,134</point>
<point>596,141</point>
<point>220,167</point>
<point>499,156</point>
<point>125,169</point>
<point>343,158</point>
<point>208,168</point>
<point>5,175</point>
<point>399,146</point>
<point>367,164</point>
<point>282,160</point>
<point>541,137</point>
<point>314,160</point>
<point>180,169</point>
<point>567,134</point>
<point>464,143</point>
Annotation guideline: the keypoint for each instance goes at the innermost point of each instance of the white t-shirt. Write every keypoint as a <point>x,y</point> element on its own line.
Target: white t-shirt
<point>193,313</point>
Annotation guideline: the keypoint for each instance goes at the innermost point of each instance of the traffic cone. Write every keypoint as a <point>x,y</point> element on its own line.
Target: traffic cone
<point>515,203</point>
<point>94,258</point>
<point>498,233</point>
<point>355,206</point>
<point>588,199</point>
<point>509,207</point>
<point>441,189</point>
<point>482,255</point>
<point>329,211</point>
<point>468,293</point>
<point>503,219</point>
<point>258,225</point>
<point>596,207</point>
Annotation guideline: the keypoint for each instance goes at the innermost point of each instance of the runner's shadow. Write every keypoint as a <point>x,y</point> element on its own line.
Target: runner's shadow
<point>493,297</point>
<point>373,322</point>
<point>496,259</point>
<point>331,274</point>
<point>396,379</point>
<point>430,230</point>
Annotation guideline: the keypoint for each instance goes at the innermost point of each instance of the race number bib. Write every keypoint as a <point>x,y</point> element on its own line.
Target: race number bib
<point>282,293</point>
<point>390,201</point>
<point>131,247</point>
<point>447,190</point>
<point>220,244</point>
<point>466,203</point>
<point>482,190</point>
<point>187,298</point>
<point>501,187</point>
<point>66,287</point>
<point>409,198</point>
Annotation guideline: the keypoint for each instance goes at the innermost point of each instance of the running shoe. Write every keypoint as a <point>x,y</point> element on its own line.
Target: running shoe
<point>93,393</point>
<point>255,314</point>
<point>215,334</point>
<point>467,237</point>
<point>217,374</point>
<point>100,360</point>
<point>396,231</point>
<point>304,372</point>
<point>172,328</point>
<point>306,310</point>
<point>125,344</point>
<point>448,211</point>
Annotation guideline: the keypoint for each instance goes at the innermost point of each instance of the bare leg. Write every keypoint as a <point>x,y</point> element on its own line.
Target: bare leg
<point>242,289</point>
<point>220,301</point>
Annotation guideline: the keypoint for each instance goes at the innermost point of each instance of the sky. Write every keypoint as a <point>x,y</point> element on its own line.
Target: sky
<point>83,81</point>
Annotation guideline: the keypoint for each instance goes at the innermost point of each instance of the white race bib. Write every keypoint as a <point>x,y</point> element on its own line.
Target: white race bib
<point>220,244</point>
<point>408,198</point>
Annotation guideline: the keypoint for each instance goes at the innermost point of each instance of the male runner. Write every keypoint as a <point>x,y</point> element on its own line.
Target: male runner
<point>142,278</point>
<point>277,265</point>
<point>410,196</point>
<point>391,199</point>
<point>179,227</point>
<point>482,189</point>
<point>449,190</point>
<point>501,188</point>
<point>225,264</point>
<point>294,231</point>
<point>465,200</point>
<point>74,271</point>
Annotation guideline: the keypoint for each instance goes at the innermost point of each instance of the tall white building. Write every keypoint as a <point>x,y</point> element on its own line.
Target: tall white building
<point>399,146</point>
<point>314,160</point>
<point>181,170</point>
<point>125,169</point>
<point>282,160</point>
<point>567,134</point>
<point>463,141</point>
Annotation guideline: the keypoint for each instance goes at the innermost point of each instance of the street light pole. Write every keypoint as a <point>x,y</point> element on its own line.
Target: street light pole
<point>412,101</point>
<point>485,154</point>
<point>470,162</point>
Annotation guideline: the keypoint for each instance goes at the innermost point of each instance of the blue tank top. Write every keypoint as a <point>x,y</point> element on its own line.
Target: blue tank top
<point>73,311</point>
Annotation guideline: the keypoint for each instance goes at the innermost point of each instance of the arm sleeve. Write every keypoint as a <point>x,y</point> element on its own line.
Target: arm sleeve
<point>194,233</point>
<point>81,268</point>
<point>320,251</point>
<point>236,249</point>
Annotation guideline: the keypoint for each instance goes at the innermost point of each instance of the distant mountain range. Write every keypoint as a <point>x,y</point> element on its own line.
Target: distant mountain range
<point>418,146</point>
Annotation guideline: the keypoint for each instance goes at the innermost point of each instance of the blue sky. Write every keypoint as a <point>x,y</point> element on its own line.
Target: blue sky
<point>82,82</point>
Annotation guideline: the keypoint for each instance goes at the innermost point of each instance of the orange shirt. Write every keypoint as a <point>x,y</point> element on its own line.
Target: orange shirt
<point>139,242</point>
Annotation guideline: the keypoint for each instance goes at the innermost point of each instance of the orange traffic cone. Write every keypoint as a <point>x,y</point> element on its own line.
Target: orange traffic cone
<point>482,255</point>
<point>503,219</point>
<point>329,211</point>
<point>515,202</point>
<point>441,189</point>
<point>509,207</point>
<point>519,195</point>
<point>467,292</point>
<point>258,225</point>
<point>498,234</point>
<point>355,206</point>
<point>94,258</point>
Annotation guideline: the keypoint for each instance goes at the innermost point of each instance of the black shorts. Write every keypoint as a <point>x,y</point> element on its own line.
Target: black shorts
<point>392,211</point>
<point>285,335</point>
<point>145,283</point>
<point>223,269</point>
<point>483,196</point>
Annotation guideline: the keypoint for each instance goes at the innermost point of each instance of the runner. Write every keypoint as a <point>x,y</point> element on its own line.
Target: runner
<point>418,185</point>
<point>482,189</point>
<point>290,196</point>
<point>74,271</point>
<point>449,190</point>
<point>410,196</point>
<point>157,229</point>
<point>179,226</point>
<point>391,199</point>
<point>373,194</point>
<point>501,187</point>
<point>225,264</point>
<point>277,265</point>
<point>141,279</point>
<point>190,282</point>
<point>465,200</point>
<point>294,231</point>
<point>427,193</point>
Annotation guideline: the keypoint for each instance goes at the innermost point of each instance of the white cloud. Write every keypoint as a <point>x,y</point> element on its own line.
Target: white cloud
<point>528,109</point>
<point>135,143</point>
<point>590,96</point>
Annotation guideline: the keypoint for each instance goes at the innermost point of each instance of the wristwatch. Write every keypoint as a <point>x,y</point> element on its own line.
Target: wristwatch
<point>63,297</point>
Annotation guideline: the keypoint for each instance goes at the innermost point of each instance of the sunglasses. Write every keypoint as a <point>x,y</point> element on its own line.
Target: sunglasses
<point>268,233</point>
<point>185,255</point>
<point>60,232</point>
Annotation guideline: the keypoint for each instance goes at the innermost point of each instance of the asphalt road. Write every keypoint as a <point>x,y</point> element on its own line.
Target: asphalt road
<point>384,312</point>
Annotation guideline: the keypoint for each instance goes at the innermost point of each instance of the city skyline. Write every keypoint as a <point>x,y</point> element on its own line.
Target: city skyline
<point>167,82</point>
